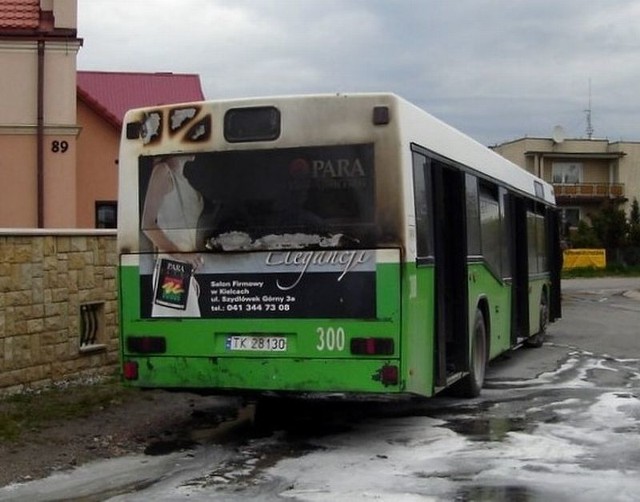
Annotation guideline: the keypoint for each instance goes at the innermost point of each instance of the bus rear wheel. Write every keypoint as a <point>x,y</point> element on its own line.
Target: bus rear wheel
<point>471,385</point>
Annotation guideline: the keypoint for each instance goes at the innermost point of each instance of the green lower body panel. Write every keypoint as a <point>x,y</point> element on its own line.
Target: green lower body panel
<point>252,374</point>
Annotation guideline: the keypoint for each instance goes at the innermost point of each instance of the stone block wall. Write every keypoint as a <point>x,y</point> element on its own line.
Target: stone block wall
<point>46,277</point>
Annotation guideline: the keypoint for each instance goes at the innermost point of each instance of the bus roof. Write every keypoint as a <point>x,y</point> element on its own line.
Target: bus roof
<point>415,125</point>
<point>446,141</point>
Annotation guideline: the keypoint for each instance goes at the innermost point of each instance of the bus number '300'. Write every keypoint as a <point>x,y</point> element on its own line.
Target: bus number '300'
<point>331,339</point>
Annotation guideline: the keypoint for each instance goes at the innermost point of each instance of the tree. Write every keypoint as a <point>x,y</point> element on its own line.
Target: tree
<point>611,227</point>
<point>634,215</point>
<point>585,237</point>
<point>634,224</point>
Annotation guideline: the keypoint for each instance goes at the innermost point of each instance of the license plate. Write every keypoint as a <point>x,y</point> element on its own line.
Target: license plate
<point>257,343</point>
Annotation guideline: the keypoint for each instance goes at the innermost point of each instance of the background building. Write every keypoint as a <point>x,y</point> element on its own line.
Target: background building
<point>59,128</point>
<point>103,99</point>
<point>586,173</point>
<point>59,135</point>
<point>38,129</point>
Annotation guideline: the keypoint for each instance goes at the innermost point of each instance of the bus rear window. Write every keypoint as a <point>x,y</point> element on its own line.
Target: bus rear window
<point>259,195</point>
<point>252,124</point>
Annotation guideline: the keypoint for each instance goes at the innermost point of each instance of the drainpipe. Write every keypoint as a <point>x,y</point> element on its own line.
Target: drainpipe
<point>40,134</point>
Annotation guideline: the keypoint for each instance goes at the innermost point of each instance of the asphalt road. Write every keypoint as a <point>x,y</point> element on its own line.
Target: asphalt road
<point>598,315</point>
<point>561,422</point>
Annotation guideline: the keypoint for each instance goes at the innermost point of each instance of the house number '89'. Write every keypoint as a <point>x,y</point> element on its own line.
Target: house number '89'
<point>59,146</point>
<point>330,339</point>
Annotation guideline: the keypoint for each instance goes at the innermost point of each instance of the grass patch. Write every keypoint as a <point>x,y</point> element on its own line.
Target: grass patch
<point>609,271</point>
<point>32,411</point>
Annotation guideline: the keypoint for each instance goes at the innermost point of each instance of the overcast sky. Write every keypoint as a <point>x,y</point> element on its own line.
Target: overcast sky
<point>495,69</point>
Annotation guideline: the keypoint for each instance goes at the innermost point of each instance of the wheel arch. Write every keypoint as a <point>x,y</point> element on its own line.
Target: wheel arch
<point>545,292</point>
<point>482,304</point>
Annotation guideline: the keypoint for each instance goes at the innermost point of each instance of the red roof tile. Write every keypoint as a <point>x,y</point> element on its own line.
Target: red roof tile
<point>111,94</point>
<point>19,14</point>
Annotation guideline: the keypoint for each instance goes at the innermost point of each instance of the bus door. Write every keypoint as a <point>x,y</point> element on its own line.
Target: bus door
<point>450,253</point>
<point>554,253</point>
<point>517,224</point>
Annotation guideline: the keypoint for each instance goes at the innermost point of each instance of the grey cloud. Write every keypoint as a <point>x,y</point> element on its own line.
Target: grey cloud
<point>494,69</point>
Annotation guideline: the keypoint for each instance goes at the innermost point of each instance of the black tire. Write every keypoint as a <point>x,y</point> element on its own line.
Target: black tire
<point>536,341</point>
<point>471,385</point>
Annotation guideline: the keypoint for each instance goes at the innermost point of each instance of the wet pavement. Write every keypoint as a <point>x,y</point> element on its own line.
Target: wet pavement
<point>561,422</point>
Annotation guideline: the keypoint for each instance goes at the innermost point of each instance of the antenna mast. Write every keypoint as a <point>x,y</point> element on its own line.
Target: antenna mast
<point>588,112</point>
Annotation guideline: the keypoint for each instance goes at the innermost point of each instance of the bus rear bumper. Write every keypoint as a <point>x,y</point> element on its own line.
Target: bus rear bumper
<point>211,374</point>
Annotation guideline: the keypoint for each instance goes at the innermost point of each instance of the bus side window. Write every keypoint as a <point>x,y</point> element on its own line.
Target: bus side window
<point>541,242</point>
<point>505,234</point>
<point>422,198</point>
<point>537,240</point>
<point>474,245</point>
<point>490,227</point>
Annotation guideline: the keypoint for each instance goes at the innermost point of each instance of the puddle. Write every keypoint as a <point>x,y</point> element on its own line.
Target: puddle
<point>252,459</point>
<point>204,427</point>
<point>488,428</point>
<point>165,447</point>
<point>495,494</point>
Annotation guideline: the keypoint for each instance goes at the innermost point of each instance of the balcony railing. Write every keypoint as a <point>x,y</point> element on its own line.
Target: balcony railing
<point>589,190</point>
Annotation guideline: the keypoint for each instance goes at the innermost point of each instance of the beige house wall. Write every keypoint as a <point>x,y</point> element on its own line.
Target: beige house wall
<point>60,180</point>
<point>18,83</point>
<point>65,12</point>
<point>18,180</point>
<point>60,83</point>
<point>45,279</point>
<point>538,154</point>
<point>515,152</point>
<point>97,166</point>
<point>19,126</point>
<point>629,172</point>
<point>19,78</point>
<point>593,170</point>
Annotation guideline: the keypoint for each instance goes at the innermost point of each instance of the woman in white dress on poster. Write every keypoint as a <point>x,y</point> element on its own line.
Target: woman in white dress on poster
<point>170,220</point>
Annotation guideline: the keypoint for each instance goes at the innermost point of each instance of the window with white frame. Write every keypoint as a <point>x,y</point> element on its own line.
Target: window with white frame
<point>567,172</point>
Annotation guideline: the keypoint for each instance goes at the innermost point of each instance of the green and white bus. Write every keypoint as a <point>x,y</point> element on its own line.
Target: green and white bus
<point>347,244</point>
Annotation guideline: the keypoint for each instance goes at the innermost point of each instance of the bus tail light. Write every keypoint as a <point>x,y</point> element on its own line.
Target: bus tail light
<point>130,370</point>
<point>389,375</point>
<point>372,346</point>
<point>147,344</point>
